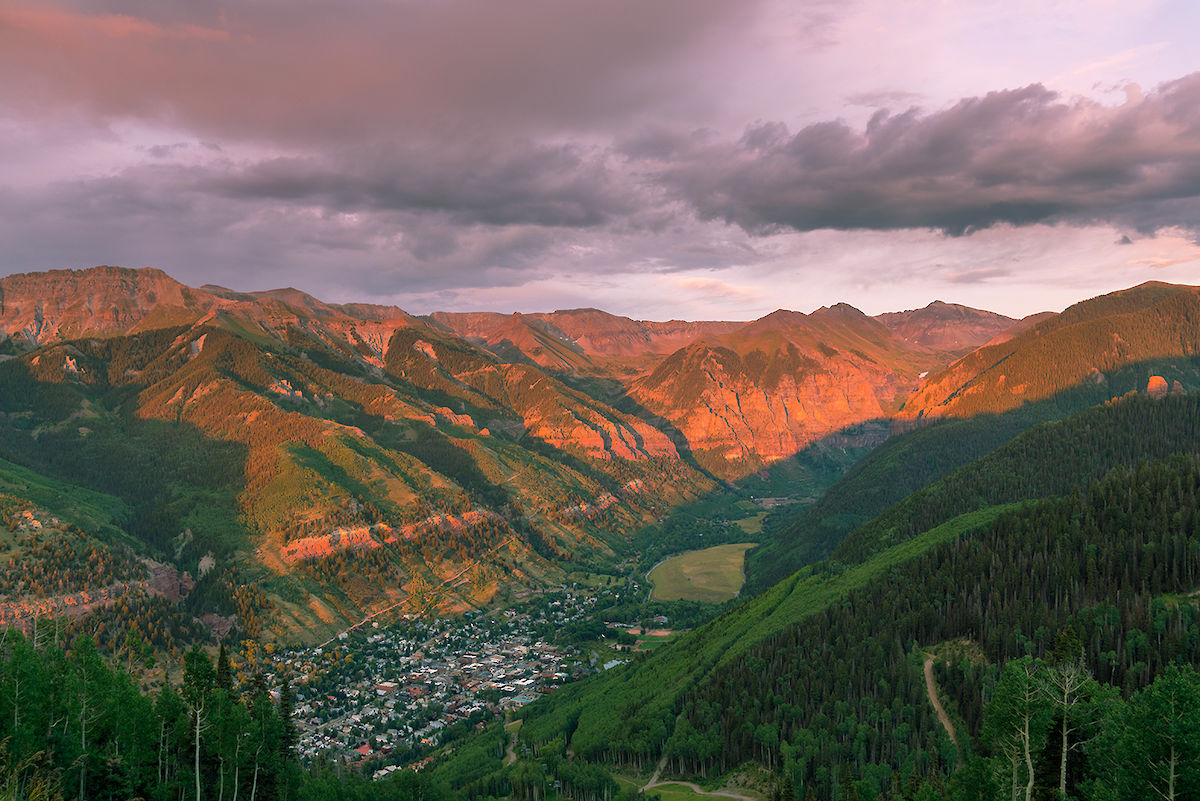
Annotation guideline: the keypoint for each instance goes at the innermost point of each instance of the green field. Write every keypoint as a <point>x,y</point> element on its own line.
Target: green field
<point>648,642</point>
<point>713,574</point>
<point>752,525</point>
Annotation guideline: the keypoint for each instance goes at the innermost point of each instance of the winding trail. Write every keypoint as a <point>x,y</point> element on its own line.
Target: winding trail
<point>696,789</point>
<point>510,753</point>
<point>931,690</point>
<point>655,782</point>
<point>662,763</point>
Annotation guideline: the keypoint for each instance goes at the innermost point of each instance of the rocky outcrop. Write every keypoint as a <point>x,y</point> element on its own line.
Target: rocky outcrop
<point>546,408</point>
<point>776,385</point>
<point>66,304</point>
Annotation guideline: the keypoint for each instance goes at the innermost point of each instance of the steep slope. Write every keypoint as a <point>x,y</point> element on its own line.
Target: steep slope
<point>583,341</point>
<point>287,440</point>
<point>517,338</point>
<point>602,334</point>
<point>915,457</point>
<point>67,304</point>
<point>1083,344</point>
<point>773,386</point>
<point>294,465</point>
<point>543,406</point>
<point>1048,460</point>
<point>902,464</point>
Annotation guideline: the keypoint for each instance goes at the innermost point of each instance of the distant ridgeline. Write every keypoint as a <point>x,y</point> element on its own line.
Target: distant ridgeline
<point>820,681</point>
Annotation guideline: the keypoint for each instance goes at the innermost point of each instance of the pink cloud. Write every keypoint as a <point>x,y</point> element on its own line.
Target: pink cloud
<point>319,73</point>
<point>58,28</point>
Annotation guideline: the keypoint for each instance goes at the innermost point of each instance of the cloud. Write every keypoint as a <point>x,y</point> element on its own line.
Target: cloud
<point>714,286</point>
<point>1159,262</point>
<point>435,148</point>
<point>1020,156</point>
<point>978,276</point>
<point>489,182</point>
<point>52,25</point>
<point>882,98</point>
<point>361,70</point>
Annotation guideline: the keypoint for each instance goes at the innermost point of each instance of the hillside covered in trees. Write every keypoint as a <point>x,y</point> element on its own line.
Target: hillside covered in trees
<point>819,680</point>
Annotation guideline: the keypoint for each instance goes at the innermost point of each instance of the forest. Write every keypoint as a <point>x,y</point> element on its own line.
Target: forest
<point>73,725</point>
<point>913,459</point>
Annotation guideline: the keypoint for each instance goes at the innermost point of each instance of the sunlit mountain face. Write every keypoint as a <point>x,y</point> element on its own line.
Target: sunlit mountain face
<point>284,437</point>
<point>279,437</point>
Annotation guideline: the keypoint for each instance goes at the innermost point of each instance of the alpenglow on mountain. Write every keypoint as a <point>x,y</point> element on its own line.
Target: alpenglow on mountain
<point>277,440</point>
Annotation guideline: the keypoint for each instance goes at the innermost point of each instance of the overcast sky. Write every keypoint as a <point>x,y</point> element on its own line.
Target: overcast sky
<point>656,158</point>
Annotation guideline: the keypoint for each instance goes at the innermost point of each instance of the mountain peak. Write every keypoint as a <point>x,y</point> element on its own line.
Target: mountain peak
<point>947,326</point>
<point>842,311</point>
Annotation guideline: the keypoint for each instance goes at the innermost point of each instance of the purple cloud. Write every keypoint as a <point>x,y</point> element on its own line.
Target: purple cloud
<point>1021,156</point>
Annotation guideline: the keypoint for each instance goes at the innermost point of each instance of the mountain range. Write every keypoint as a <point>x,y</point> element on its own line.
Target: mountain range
<point>940,497</point>
<point>352,457</point>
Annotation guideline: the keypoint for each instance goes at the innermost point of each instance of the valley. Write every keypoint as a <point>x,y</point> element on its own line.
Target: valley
<point>283,440</point>
<point>691,559</point>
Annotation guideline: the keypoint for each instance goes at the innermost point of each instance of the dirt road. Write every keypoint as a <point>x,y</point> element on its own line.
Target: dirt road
<point>931,689</point>
<point>662,763</point>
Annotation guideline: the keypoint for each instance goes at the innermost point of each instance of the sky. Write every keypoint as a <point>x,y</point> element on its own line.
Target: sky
<point>689,159</point>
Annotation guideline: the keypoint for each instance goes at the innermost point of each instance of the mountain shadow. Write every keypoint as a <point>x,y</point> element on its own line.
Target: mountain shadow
<point>923,454</point>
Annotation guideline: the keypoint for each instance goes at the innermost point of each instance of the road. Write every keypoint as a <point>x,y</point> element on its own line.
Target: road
<point>931,690</point>
<point>510,754</point>
<point>655,782</point>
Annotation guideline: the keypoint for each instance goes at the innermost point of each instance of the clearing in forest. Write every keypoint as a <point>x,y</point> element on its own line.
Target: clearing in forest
<point>713,574</point>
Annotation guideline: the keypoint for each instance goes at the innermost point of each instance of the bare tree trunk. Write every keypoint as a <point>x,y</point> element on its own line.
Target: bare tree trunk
<point>1062,766</point>
<point>1026,736</point>
<point>254,786</point>
<point>237,763</point>
<point>199,710</point>
<point>82,745</point>
<point>1171,776</point>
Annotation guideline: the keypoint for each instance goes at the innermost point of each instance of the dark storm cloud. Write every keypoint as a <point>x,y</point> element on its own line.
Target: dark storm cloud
<point>1021,157</point>
<point>479,182</point>
<point>156,216</point>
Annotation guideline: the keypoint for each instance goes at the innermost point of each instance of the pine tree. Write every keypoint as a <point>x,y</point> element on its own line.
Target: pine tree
<point>224,679</point>
<point>287,708</point>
